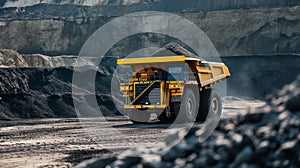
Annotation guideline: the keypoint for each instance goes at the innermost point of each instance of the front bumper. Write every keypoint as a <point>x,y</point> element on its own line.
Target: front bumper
<point>145,106</point>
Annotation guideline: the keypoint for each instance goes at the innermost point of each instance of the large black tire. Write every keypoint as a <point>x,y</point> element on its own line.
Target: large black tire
<point>210,105</point>
<point>164,119</point>
<point>189,106</point>
<point>138,116</point>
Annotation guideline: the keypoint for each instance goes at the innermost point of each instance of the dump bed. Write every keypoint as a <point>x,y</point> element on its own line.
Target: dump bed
<point>208,72</point>
<point>211,72</point>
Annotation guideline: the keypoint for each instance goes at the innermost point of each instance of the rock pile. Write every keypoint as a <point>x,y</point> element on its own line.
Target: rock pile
<point>265,137</point>
<point>172,49</point>
<point>13,82</point>
<point>12,59</point>
<point>28,93</point>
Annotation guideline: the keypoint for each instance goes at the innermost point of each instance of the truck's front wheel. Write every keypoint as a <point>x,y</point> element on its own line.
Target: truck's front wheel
<point>189,106</point>
<point>139,116</point>
<point>163,117</point>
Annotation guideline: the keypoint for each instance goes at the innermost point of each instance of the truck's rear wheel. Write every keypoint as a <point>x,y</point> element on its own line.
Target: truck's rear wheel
<point>210,105</point>
<point>138,116</point>
<point>189,106</point>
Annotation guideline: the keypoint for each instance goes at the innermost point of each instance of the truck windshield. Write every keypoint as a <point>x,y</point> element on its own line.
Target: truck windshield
<point>177,73</point>
<point>175,69</point>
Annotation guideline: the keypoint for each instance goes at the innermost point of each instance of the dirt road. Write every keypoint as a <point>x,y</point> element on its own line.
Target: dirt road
<point>66,142</point>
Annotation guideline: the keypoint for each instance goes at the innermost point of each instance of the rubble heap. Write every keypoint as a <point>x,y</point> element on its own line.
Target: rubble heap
<point>172,49</point>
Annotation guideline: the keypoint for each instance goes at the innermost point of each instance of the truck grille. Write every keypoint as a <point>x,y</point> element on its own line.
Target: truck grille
<point>151,97</point>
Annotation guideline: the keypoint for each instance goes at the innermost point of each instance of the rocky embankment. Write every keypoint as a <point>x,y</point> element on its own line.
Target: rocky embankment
<point>63,29</point>
<point>12,59</point>
<point>27,93</point>
<point>155,5</point>
<point>39,86</point>
<point>264,137</point>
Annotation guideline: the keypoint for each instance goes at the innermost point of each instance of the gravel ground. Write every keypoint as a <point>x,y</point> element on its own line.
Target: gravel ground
<point>64,142</point>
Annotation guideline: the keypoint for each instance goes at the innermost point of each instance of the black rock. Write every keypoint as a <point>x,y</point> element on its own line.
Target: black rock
<point>242,157</point>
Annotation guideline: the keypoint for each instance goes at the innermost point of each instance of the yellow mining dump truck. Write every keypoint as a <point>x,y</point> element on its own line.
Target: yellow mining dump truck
<point>173,87</point>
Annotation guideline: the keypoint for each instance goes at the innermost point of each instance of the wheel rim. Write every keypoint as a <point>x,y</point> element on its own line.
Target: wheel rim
<point>215,106</point>
<point>190,107</point>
